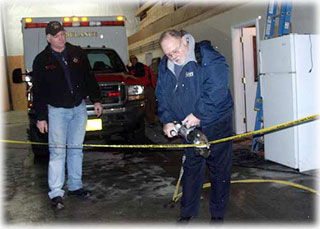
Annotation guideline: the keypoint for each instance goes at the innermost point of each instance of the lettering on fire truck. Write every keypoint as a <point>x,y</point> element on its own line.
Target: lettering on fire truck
<point>82,34</point>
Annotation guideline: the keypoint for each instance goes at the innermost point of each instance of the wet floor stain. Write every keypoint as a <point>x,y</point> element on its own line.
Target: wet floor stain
<point>110,176</point>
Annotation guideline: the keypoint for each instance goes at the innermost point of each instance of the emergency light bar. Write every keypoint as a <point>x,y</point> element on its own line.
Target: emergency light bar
<point>76,22</point>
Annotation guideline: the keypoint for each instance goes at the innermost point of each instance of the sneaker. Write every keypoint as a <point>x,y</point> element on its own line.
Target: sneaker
<point>57,203</point>
<point>80,192</point>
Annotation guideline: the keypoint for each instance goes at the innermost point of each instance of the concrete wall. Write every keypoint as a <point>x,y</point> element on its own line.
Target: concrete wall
<point>14,10</point>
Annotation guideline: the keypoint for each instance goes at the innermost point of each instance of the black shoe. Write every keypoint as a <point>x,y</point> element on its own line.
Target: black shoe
<point>184,219</point>
<point>217,220</point>
<point>57,203</point>
<point>80,192</point>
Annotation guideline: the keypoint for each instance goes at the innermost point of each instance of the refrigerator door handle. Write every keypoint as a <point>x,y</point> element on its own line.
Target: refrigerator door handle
<point>311,57</point>
<point>260,61</point>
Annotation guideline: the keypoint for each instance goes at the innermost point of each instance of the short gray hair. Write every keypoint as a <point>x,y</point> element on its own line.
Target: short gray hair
<point>172,33</point>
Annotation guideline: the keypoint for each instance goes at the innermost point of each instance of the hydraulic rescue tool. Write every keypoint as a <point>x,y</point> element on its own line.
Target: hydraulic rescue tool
<point>193,135</point>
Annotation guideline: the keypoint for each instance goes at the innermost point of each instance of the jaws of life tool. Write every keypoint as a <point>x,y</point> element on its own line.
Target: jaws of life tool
<point>193,135</point>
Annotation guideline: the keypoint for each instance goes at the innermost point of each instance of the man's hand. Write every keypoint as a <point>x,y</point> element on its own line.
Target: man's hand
<point>167,128</point>
<point>42,126</point>
<point>191,121</point>
<point>98,109</point>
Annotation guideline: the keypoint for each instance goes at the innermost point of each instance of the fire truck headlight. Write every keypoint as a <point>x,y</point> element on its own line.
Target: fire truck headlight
<point>135,92</point>
<point>27,78</point>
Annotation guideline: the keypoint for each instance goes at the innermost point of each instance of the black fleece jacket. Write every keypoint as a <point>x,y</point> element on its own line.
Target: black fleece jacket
<point>50,85</point>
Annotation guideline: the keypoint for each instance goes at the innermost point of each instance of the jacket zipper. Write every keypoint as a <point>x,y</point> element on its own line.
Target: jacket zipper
<point>175,88</point>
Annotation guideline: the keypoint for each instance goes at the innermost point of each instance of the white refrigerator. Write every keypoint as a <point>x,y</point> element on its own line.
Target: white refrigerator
<point>290,90</point>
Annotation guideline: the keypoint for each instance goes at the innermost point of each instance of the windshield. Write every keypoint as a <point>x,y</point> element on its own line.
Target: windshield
<point>105,60</point>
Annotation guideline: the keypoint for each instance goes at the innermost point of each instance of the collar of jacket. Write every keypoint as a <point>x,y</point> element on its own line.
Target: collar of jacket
<point>71,52</point>
<point>190,55</point>
<point>68,47</point>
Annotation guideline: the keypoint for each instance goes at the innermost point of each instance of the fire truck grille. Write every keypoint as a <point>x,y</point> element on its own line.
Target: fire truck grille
<point>112,93</point>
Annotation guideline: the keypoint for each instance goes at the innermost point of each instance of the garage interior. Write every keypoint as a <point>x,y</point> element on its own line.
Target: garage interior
<point>136,186</point>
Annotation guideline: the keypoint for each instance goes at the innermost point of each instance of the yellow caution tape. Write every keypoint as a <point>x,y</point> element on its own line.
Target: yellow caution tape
<point>177,196</point>
<point>269,129</point>
<point>272,128</point>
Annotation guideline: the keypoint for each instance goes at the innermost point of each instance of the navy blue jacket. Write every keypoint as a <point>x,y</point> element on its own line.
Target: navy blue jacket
<point>202,89</point>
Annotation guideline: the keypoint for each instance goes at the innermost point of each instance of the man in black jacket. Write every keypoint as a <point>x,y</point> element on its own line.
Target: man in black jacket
<point>61,81</point>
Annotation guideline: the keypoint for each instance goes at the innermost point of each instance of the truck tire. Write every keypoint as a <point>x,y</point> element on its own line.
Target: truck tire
<point>36,136</point>
<point>137,135</point>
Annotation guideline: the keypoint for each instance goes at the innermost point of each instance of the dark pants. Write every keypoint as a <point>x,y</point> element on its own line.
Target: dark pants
<point>219,164</point>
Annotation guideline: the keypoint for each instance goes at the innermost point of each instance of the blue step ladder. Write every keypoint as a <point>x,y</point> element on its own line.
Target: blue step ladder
<point>277,22</point>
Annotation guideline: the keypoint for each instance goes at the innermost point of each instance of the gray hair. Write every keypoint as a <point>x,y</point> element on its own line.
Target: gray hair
<point>172,33</point>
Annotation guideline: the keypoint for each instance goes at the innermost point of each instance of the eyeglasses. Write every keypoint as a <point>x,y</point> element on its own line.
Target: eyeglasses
<point>175,51</point>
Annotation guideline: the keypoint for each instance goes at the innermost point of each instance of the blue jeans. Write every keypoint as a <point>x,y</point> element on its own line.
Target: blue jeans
<point>66,126</point>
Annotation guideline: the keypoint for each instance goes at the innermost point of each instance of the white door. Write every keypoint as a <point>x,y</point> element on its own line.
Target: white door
<point>250,74</point>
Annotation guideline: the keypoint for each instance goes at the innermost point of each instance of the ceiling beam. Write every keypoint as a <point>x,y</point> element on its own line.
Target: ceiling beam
<point>186,15</point>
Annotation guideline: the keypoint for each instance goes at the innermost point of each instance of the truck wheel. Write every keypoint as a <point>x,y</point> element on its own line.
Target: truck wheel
<point>137,135</point>
<point>36,136</point>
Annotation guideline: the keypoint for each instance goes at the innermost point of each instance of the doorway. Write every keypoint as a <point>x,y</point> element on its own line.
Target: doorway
<point>245,46</point>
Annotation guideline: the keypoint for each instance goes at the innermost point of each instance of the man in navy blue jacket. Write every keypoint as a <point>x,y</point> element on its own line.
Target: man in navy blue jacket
<point>197,94</point>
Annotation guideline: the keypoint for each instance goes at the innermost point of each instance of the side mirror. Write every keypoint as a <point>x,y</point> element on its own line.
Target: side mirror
<point>17,75</point>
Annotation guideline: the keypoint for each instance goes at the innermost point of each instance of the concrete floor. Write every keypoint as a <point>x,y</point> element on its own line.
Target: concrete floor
<point>134,187</point>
